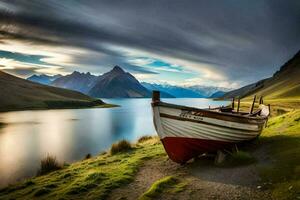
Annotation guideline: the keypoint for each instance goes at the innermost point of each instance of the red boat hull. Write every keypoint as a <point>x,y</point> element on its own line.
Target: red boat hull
<point>181,149</point>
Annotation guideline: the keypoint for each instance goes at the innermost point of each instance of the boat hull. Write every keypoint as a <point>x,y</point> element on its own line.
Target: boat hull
<point>187,133</point>
<point>180,149</point>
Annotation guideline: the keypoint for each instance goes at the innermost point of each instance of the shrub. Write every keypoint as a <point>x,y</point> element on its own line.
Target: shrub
<point>88,156</point>
<point>49,164</point>
<point>144,138</point>
<point>120,146</point>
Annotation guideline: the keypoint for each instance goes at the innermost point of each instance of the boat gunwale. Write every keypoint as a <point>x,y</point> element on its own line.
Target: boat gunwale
<point>164,104</point>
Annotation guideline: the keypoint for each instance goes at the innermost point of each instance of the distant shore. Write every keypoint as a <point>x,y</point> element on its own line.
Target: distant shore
<point>49,105</point>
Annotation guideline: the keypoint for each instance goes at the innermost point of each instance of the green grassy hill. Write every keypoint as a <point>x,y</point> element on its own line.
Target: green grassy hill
<point>20,94</point>
<point>284,84</point>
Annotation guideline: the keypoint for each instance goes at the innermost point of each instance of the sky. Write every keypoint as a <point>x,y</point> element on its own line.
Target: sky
<point>195,42</point>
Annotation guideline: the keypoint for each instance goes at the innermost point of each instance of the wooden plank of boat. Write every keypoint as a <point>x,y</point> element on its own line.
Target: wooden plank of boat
<point>187,132</point>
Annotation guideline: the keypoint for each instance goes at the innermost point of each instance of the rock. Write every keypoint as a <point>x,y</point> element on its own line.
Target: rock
<point>220,158</point>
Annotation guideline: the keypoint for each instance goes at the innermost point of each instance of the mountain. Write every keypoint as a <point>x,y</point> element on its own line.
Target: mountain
<point>285,83</point>
<point>176,91</point>
<point>43,79</point>
<point>217,94</point>
<point>77,81</point>
<point>118,84</point>
<point>152,87</point>
<point>19,94</point>
<point>196,91</point>
<point>208,91</point>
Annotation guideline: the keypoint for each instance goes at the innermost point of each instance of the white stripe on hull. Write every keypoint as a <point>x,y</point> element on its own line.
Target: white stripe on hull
<point>186,129</point>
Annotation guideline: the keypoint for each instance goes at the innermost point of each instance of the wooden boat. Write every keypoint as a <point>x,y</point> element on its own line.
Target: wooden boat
<point>187,132</point>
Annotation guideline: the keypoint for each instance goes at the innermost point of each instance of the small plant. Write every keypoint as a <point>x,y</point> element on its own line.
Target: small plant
<point>144,138</point>
<point>49,164</point>
<point>121,146</point>
<point>88,156</point>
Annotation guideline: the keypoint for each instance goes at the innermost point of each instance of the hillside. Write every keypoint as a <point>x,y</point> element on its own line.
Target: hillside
<point>19,94</point>
<point>285,83</point>
<point>118,84</point>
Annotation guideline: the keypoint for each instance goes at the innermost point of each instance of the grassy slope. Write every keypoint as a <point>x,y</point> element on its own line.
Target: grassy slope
<point>20,94</point>
<point>285,83</point>
<point>283,136</point>
<point>90,179</point>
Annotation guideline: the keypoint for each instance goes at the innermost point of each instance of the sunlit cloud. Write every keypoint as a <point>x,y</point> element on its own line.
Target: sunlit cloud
<point>13,66</point>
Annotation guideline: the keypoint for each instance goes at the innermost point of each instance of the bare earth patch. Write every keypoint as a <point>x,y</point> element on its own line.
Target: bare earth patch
<point>203,179</point>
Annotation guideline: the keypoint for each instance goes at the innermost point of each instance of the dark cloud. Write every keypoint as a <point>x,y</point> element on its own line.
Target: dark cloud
<point>246,40</point>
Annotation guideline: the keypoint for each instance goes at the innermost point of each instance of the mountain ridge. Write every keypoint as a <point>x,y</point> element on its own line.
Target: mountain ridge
<point>120,84</point>
<point>43,78</point>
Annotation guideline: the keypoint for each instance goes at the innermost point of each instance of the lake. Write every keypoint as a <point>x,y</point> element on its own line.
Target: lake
<point>70,134</point>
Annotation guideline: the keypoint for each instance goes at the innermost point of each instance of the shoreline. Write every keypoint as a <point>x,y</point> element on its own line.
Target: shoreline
<point>57,108</point>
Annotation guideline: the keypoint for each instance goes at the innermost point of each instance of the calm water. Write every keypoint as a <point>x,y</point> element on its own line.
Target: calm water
<point>29,136</point>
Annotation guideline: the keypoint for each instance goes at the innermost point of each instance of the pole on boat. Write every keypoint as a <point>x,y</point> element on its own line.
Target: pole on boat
<point>232,104</point>
<point>155,96</point>
<point>238,108</point>
<point>252,106</point>
<point>261,101</point>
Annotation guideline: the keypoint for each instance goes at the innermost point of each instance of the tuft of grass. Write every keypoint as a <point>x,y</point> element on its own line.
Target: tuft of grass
<point>121,146</point>
<point>159,186</point>
<point>179,187</point>
<point>49,164</point>
<point>1,124</point>
<point>144,138</point>
<point>41,192</point>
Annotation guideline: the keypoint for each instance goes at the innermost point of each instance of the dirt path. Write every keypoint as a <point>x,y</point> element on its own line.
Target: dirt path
<point>204,181</point>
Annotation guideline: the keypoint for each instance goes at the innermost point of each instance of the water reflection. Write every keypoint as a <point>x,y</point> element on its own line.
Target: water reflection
<point>71,134</point>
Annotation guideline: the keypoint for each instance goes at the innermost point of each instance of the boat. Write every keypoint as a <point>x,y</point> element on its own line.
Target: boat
<point>187,132</point>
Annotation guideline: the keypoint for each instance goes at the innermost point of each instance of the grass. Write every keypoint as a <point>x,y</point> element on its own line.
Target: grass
<point>166,184</point>
<point>121,146</point>
<point>49,164</point>
<point>283,138</point>
<point>93,178</point>
<point>144,138</point>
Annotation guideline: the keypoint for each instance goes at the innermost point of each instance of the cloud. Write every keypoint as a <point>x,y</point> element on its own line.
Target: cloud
<point>230,41</point>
